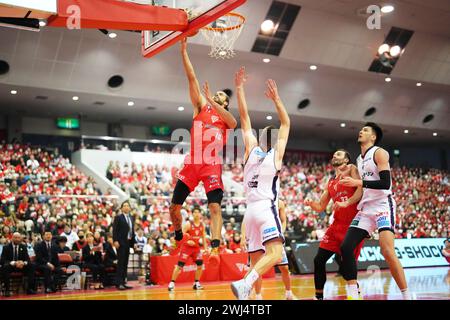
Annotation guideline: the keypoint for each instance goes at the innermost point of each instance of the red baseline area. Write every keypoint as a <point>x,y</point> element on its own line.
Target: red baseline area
<point>118,15</point>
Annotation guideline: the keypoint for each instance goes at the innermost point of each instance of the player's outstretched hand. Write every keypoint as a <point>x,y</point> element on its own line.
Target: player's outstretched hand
<point>272,89</point>
<point>240,77</point>
<point>350,182</point>
<point>340,204</point>
<point>307,202</point>
<point>190,243</point>
<point>207,92</point>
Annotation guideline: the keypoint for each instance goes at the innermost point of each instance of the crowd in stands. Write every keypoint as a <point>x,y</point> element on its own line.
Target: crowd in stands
<point>422,196</point>
<point>41,191</point>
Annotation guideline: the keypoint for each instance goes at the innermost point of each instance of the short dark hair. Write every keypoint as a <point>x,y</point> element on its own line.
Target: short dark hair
<point>196,208</point>
<point>378,132</point>
<point>347,155</point>
<point>61,239</point>
<point>125,202</point>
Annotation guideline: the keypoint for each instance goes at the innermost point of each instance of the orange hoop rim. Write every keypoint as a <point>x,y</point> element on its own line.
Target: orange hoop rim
<point>232,14</point>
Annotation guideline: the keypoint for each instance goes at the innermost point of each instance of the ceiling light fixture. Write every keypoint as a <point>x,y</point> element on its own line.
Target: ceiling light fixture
<point>387,8</point>
<point>267,26</point>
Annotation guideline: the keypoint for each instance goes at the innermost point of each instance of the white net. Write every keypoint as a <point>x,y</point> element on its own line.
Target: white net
<point>222,34</point>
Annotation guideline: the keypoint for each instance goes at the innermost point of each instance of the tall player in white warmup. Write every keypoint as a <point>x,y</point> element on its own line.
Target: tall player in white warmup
<point>376,210</point>
<point>261,185</point>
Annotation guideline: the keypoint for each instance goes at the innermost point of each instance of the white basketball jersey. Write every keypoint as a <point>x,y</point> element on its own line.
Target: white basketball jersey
<point>368,171</point>
<point>261,176</point>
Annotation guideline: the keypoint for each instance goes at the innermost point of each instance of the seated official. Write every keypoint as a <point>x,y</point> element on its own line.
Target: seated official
<point>111,258</point>
<point>93,260</point>
<point>45,259</point>
<point>15,259</point>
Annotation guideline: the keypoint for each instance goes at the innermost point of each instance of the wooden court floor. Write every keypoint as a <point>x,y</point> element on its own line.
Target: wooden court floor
<point>424,283</point>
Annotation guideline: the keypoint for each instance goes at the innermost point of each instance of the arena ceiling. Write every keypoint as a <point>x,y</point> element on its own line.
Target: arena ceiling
<point>59,64</point>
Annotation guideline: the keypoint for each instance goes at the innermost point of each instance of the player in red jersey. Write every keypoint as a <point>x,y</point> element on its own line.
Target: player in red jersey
<point>345,202</point>
<point>191,247</point>
<point>211,119</point>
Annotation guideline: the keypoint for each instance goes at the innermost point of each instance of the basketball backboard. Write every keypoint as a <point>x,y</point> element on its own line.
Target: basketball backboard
<point>200,14</point>
<point>26,14</point>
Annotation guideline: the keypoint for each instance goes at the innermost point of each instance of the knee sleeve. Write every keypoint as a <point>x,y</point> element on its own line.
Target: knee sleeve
<point>199,262</point>
<point>215,196</point>
<point>181,264</point>
<point>352,239</point>
<point>180,193</point>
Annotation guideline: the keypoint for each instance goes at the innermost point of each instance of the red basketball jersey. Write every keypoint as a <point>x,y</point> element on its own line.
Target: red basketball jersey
<point>196,233</point>
<point>208,131</point>
<point>340,193</point>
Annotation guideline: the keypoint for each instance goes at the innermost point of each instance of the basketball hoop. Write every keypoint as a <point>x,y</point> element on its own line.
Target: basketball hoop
<point>223,33</point>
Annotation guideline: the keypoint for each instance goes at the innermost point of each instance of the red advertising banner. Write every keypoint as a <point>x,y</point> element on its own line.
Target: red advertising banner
<point>231,267</point>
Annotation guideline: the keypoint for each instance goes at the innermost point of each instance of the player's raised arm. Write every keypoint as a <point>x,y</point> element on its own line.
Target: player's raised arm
<point>285,122</point>
<point>198,101</point>
<point>250,140</point>
<point>321,205</point>
<point>224,114</point>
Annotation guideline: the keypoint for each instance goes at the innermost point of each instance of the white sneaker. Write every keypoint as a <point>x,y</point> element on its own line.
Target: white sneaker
<point>259,297</point>
<point>240,289</point>
<point>290,296</point>
<point>171,286</point>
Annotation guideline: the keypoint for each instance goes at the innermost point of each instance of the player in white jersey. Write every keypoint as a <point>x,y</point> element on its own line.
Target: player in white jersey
<point>283,265</point>
<point>376,210</point>
<point>263,162</point>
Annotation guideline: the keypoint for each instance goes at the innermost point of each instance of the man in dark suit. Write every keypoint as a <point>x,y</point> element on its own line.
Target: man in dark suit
<point>44,258</point>
<point>15,259</point>
<point>123,237</point>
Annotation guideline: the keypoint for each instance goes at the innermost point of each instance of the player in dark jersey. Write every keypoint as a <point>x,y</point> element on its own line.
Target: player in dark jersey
<point>211,119</point>
<point>191,247</point>
<point>345,202</point>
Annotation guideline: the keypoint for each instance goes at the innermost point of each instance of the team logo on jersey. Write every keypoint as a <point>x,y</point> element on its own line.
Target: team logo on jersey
<point>383,222</point>
<point>269,230</point>
<point>254,182</point>
<point>261,153</point>
<point>196,232</point>
<point>214,119</point>
<point>367,174</point>
<point>213,179</point>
